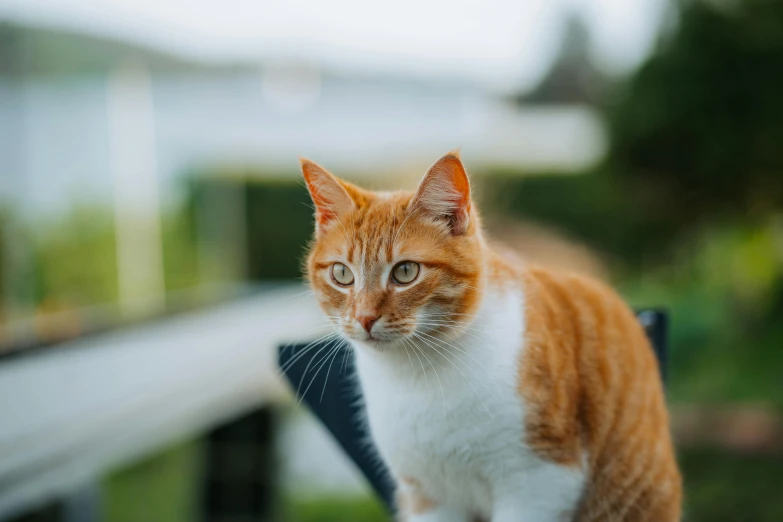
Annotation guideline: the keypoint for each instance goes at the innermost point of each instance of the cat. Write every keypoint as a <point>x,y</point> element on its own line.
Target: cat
<point>495,391</point>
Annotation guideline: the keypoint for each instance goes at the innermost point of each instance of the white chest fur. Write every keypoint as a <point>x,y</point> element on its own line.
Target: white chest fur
<point>448,414</point>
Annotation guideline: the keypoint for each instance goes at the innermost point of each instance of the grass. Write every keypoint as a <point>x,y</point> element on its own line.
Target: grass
<point>721,486</point>
<point>162,488</point>
<point>335,509</point>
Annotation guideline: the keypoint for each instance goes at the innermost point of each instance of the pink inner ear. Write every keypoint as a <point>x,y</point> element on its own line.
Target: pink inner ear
<point>323,207</point>
<point>445,193</point>
<point>459,180</point>
<point>328,194</point>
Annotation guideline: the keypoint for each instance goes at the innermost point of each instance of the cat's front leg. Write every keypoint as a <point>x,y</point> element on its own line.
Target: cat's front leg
<point>414,505</point>
<point>518,513</point>
<point>438,515</point>
<point>546,493</point>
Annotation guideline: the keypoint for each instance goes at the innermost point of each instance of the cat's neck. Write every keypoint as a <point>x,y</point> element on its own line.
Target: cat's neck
<point>501,268</point>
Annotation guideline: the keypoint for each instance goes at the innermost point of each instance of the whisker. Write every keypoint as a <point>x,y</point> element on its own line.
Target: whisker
<point>462,327</point>
<point>325,358</point>
<point>345,357</point>
<point>465,351</point>
<point>449,313</point>
<point>413,368</point>
<point>421,363</point>
<point>481,399</point>
<point>309,291</point>
<point>326,379</point>
<point>327,347</point>
<point>307,348</point>
<point>449,322</point>
<point>443,395</point>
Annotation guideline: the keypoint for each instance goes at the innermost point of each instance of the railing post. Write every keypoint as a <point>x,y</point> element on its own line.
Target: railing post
<point>240,471</point>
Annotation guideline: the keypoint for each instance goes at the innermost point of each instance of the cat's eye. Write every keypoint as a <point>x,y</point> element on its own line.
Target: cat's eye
<point>342,275</point>
<point>405,273</point>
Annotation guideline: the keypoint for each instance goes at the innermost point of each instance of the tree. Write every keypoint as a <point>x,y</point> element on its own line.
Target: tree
<point>699,129</point>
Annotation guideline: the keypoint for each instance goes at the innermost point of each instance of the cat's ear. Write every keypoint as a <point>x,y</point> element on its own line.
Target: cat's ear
<point>329,196</point>
<point>444,193</point>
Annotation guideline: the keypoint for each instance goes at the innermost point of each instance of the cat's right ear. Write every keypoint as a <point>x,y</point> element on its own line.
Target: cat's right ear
<point>329,196</point>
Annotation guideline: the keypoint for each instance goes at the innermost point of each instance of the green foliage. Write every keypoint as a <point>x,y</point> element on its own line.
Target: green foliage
<point>722,289</point>
<point>335,509</point>
<point>699,128</point>
<point>721,486</point>
<point>163,488</point>
<point>280,224</point>
<point>276,219</point>
<point>76,263</point>
<point>695,138</point>
<point>590,206</point>
<point>180,250</point>
<point>76,260</point>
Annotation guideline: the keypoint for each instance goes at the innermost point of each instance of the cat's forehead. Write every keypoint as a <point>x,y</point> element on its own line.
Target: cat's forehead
<point>374,236</point>
<point>382,211</point>
<point>378,231</point>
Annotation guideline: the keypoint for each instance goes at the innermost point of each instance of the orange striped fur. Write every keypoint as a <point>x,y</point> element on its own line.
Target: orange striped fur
<point>594,382</point>
<point>587,375</point>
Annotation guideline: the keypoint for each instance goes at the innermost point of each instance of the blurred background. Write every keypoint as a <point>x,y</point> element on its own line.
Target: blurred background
<point>149,184</point>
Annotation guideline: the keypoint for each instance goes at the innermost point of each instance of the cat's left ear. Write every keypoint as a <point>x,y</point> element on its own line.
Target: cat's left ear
<point>329,195</point>
<point>444,193</point>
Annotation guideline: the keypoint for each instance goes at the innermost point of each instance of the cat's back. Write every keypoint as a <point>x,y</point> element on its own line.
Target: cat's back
<point>592,385</point>
<point>585,324</point>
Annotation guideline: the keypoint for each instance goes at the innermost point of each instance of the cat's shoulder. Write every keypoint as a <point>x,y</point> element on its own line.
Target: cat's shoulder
<point>554,288</point>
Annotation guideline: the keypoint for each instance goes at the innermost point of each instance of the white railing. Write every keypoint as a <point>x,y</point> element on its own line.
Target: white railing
<point>71,413</point>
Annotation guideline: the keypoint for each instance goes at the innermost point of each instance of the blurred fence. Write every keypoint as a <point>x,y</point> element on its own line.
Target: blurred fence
<point>74,413</point>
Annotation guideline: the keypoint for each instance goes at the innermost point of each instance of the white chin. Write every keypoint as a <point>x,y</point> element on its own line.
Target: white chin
<point>374,341</point>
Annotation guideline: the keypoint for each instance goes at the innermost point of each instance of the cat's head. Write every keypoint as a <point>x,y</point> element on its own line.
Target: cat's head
<point>390,266</point>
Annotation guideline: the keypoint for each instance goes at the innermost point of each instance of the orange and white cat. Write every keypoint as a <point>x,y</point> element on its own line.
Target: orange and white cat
<point>495,391</point>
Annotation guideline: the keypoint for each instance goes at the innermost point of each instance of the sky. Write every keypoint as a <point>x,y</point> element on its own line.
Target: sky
<point>504,44</point>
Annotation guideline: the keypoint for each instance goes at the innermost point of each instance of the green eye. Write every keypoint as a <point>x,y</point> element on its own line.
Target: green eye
<point>405,273</point>
<point>342,275</point>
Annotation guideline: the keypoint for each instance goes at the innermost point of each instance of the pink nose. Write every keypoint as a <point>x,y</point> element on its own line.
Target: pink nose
<point>367,321</point>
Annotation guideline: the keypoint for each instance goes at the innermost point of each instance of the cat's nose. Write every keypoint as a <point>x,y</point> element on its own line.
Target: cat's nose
<point>367,321</point>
